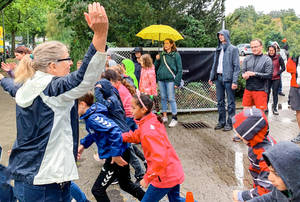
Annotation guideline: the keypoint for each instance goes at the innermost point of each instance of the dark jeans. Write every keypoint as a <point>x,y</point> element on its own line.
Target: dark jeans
<point>135,163</point>
<point>155,194</point>
<point>42,193</point>
<point>280,86</point>
<point>109,173</point>
<point>6,190</point>
<point>274,84</point>
<point>223,87</point>
<point>76,193</point>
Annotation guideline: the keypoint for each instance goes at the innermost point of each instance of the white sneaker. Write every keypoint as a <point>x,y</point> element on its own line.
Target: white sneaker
<point>173,123</point>
<point>165,119</point>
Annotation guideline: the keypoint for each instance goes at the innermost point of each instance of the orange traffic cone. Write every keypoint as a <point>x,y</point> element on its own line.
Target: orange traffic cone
<point>189,197</point>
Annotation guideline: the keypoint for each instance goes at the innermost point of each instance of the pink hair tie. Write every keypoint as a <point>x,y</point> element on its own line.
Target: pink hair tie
<point>138,94</point>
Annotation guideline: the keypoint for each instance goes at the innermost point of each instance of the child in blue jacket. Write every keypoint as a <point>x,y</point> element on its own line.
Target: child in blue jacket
<point>108,95</point>
<point>108,137</point>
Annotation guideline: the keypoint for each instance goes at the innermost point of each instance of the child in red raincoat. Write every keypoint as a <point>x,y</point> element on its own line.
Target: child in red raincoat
<point>164,172</point>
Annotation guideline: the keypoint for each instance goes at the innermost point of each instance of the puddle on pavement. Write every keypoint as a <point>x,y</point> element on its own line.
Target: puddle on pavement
<point>228,165</point>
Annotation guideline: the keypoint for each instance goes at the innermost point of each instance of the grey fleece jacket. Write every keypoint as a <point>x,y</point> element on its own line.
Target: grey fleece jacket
<point>231,61</point>
<point>263,67</point>
<point>285,159</point>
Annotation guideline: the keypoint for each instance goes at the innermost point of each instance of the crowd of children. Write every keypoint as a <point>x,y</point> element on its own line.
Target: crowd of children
<point>122,111</point>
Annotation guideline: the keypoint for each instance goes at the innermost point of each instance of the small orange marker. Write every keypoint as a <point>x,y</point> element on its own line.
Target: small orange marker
<point>189,197</point>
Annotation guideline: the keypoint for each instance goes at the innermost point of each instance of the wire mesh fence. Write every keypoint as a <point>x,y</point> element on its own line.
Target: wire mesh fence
<point>192,97</point>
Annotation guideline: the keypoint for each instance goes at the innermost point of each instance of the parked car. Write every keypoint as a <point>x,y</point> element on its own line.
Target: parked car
<point>244,49</point>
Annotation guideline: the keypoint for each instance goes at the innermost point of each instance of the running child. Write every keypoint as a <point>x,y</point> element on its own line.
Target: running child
<point>109,96</point>
<point>164,172</point>
<point>107,135</point>
<point>251,125</point>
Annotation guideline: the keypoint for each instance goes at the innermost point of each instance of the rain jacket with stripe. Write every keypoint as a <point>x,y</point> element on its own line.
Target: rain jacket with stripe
<point>103,131</point>
<point>47,122</point>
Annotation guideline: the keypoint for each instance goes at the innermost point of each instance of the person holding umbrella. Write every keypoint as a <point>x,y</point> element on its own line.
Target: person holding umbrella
<point>168,68</point>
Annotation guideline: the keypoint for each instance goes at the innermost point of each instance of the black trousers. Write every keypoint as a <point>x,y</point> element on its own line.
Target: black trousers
<point>274,85</point>
<point>109,173</point>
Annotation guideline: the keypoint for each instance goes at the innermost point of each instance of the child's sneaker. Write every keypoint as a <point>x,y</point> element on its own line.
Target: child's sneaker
<point>165,119</point>
<point>173,123</point>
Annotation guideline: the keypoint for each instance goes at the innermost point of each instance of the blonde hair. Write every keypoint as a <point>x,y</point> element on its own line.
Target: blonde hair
<point>40,59</point>
<point>24,70</point>
<point>146,61</point>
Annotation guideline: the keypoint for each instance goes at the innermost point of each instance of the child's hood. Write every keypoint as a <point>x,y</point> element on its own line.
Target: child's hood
<point>106,88</point>
<point>95,108</point>
<point>252,125</point>
<point>285,159</point>
<point>129,66</point>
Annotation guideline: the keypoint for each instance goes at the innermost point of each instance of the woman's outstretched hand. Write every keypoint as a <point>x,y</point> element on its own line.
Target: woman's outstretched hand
<point>97,20</point>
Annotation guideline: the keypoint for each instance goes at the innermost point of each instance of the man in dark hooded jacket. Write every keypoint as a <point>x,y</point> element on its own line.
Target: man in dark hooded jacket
<point>283,160</point>
<point>225,72</point>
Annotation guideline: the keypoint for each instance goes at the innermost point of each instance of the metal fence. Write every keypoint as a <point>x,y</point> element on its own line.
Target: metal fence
<point>192,97</point>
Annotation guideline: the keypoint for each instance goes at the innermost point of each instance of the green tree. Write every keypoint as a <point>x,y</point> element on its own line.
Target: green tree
<point>27,16</point>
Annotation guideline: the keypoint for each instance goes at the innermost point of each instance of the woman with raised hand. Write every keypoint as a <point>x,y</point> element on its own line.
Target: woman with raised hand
<point>42,161</point>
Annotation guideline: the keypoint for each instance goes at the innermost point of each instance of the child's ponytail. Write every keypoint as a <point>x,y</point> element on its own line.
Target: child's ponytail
<point>128,86</point>
<point>24,70</point>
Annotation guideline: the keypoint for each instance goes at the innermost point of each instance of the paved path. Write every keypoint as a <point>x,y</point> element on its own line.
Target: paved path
<point>213,164</point>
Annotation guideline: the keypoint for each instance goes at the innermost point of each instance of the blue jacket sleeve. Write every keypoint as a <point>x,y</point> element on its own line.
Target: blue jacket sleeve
<point>10,86</point>
<point>107,130</point>
<point>99,98</point>
<point>236,65</point>
<point>87,141</point>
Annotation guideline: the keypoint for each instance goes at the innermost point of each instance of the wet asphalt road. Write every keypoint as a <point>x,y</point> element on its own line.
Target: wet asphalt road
<point>213,164</point>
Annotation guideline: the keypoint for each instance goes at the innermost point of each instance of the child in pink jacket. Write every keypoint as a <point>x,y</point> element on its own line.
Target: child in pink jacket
<point>164,172</point>
<point>148,77</point>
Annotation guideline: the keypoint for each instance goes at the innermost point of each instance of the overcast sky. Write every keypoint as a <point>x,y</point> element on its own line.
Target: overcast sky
<point>262,5</point>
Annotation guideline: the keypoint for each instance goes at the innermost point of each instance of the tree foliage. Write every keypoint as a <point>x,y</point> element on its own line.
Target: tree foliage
<point>198,21</point>
<point>27,17</point>
<point>245,24</point>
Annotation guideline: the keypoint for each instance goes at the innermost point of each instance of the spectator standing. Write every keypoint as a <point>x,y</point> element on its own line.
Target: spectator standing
<point>257,70</point>
<point>167,61</point>
<point>282,53</point>
<point>225,72</point>
<point>274,83</point>
<point>294,94</point>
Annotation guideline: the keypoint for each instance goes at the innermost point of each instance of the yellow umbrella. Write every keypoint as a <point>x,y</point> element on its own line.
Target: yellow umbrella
<point>159,33</point>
